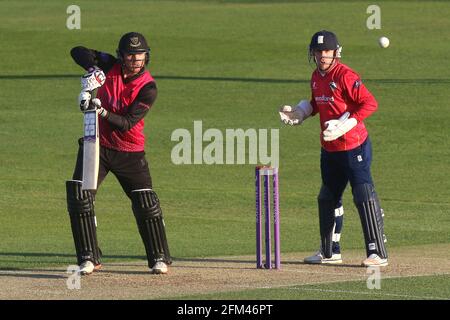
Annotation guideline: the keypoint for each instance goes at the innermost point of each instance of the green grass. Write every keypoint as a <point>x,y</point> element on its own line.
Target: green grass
<point>229,64</point>
<point>407,288</point>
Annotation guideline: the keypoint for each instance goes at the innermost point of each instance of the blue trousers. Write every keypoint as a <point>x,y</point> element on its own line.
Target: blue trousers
<point>339,168</point>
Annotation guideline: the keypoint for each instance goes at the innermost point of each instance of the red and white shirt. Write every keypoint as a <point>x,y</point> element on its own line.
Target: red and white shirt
<point>336,92</point>
<point>116,96</point>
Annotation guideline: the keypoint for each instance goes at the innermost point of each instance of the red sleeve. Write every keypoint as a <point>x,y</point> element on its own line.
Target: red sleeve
<point>314,107</point>
<point>362,101</point>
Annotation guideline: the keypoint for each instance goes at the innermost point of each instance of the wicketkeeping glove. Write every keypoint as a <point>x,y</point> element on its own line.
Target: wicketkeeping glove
<point>93,80</point>
<point>295,116</point>
<point>337,128</point>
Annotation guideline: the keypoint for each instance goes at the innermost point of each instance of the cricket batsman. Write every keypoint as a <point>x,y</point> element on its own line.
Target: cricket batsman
<point>125,93</point>
<point>342,102</point>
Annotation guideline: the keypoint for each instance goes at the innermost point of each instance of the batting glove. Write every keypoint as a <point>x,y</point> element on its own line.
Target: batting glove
<point>93,80</point>
<point>84,99</point>
<point>337,128</point>
<point>97,104</point>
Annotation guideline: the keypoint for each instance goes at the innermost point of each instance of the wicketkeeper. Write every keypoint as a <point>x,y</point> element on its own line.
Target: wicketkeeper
<point>126,92</point>
<point>342,102</point>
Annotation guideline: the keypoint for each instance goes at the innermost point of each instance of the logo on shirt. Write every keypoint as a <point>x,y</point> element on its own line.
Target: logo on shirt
<point>314,85</point>
<point>333,85</point>
<point>324,99</point>
<point>357,84</point>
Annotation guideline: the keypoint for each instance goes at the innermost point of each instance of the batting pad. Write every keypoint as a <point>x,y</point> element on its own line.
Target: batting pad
<point>366,200</point>
<point>80,205</point>
<point>149,218</point>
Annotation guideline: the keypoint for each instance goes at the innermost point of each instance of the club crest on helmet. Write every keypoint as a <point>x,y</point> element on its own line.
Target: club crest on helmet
<point>134,42</point>
<point>324,40</point>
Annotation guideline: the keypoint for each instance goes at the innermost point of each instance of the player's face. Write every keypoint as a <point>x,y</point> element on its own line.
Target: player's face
<point>134,62</point>
<point>324,59</point>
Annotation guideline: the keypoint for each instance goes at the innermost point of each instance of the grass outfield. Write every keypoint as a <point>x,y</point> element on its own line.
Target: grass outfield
<point>229,64</point>
<point>406,288</point>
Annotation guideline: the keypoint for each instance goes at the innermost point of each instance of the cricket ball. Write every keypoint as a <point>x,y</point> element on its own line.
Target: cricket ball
<point>383,42</point>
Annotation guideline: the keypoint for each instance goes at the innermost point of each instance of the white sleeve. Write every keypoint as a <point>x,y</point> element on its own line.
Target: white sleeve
<point>305,108</point>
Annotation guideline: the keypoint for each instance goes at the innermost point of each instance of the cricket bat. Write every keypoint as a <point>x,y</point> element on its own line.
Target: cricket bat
<point>91,149</point>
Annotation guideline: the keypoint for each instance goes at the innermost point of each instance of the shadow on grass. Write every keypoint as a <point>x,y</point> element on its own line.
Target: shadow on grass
<point>127,258</point>
<point>176,264</point>
<point>161,77</point>
<point>29,264</point>
<point>29,271</point>
<point>16,261</point>
<point>224,260</point>
<point>113,256</point>
<point>337,265</point>
<point>64,255</point>
<point>224,79</point>
<point>34,275</point>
